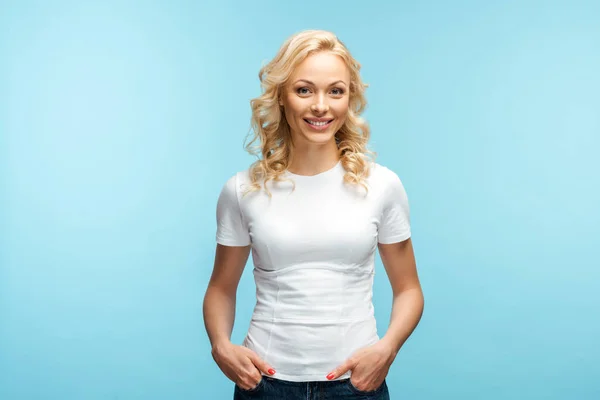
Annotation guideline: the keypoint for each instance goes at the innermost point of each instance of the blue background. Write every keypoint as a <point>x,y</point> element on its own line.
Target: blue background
<point>121,121</point>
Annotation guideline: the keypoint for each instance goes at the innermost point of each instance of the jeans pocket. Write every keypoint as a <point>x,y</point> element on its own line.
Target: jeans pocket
<point>254,389</point>
<point>365,392</point>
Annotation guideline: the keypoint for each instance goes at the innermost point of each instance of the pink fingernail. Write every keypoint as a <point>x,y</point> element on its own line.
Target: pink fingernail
<point>271,371</point>
<point>330,376</point>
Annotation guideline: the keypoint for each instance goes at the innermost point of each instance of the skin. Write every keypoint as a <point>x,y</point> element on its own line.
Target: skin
<point>319,87</point>
<point>326,96</point>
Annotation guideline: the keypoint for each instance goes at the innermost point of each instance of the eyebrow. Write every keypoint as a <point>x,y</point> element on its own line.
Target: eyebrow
<point>311,83</point>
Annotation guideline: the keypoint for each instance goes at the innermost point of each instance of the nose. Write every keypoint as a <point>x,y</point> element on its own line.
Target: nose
<point>320,107</point>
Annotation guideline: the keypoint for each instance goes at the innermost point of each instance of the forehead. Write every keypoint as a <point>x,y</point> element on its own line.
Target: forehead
<point>322,67</point>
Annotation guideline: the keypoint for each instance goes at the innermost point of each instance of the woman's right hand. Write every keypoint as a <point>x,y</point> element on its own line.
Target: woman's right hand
<point>240,364</point>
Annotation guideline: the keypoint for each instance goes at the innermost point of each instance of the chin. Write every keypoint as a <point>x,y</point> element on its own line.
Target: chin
<point>320,138</point>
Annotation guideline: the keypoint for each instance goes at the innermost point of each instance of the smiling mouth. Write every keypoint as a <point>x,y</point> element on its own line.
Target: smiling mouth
<point>318,125</point>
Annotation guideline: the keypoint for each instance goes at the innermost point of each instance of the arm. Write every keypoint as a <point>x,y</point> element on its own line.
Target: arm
<point>407,306</point>
<point>370,365</point>
<point>238,363</point>
<point>220,297</point>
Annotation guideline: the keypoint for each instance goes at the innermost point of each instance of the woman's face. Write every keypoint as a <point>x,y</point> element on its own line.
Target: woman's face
<point>316,98</point>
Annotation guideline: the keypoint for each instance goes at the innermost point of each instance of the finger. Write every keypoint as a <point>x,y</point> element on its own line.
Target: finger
<point>261,364</point>
<point>254,379</point>
<point>342,369</point>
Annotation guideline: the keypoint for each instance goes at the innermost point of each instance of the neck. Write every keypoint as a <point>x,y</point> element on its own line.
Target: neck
<point>313,161</point>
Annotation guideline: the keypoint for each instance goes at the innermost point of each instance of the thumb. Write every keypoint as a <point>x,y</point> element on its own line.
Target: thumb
<point>261,364</point>
<point>342,369</point>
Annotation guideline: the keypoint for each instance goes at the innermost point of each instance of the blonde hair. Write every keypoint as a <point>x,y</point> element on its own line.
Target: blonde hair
<point>270,127</point>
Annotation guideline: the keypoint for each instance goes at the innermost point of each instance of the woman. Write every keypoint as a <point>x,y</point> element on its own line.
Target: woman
<point>313,210</point>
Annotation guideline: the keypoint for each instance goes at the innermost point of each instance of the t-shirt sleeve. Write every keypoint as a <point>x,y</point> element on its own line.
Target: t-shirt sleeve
<point>231,227</point>
<point>394,225</point>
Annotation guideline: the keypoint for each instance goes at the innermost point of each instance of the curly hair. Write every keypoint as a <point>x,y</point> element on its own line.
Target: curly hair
<point>271,129</point>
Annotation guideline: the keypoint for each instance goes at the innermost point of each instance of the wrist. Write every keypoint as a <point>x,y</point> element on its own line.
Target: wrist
<point>391,346</point>
<point>219,345</point>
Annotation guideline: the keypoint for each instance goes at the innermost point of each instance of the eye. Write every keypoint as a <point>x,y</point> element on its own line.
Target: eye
<point>303,90</point>
<point>337,91</point>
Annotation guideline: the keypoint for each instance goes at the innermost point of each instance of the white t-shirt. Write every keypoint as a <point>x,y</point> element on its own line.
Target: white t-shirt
<point>313,252</point>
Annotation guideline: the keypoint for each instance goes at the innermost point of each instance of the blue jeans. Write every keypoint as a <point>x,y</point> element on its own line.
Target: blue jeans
<point>277,389</point>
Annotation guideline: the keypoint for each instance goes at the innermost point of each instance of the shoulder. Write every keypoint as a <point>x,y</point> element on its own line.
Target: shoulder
<point>392,193</point>
<point>387,183</point>
<point>382,175</point>
<point>236,183</point>
<point>238,178</point>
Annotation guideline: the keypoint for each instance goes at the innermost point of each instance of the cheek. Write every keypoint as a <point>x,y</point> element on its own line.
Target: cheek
<point>293,110</point>
<point>295,105</point>
<point>341,111</point>
<point>289,114</point>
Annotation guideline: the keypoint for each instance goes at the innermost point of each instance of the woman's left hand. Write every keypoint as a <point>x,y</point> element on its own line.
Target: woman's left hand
<point>369,366</point>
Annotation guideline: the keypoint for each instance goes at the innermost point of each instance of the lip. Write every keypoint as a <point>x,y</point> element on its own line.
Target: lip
<point>318,128</point>
<point>320,119</point>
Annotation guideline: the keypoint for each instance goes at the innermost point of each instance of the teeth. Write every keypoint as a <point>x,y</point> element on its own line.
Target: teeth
<point>317,123</point>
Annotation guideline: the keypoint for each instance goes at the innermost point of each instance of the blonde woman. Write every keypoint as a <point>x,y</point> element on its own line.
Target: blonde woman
<point>312,209</point>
